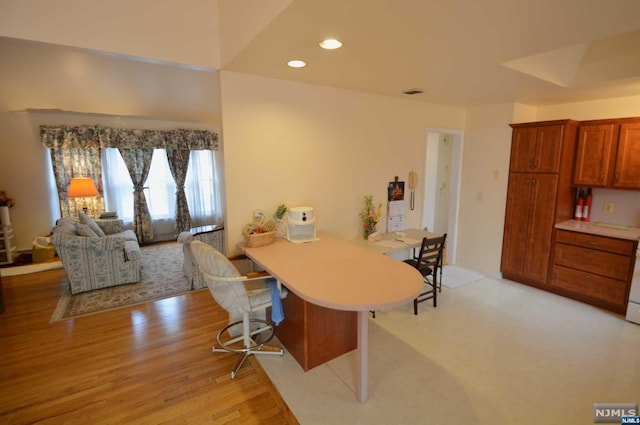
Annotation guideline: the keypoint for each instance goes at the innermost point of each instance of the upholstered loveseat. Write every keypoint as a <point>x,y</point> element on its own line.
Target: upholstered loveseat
<point>96,253</point>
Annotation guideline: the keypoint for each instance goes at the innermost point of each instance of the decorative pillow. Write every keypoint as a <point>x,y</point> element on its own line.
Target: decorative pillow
<point>84,230</point>
<point>85,219</point>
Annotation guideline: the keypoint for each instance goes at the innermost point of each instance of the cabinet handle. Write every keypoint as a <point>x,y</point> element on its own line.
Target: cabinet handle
<point>587,276</point>
<point>593,243</point>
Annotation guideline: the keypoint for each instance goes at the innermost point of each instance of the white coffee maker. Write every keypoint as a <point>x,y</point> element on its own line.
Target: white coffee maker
<point>301,225</point>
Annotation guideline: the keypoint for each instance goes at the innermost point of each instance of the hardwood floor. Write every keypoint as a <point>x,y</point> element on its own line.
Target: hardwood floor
<point>147,364</point>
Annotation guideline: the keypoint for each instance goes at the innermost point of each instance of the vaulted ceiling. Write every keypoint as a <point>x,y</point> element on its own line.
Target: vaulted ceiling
<point>459,53</point>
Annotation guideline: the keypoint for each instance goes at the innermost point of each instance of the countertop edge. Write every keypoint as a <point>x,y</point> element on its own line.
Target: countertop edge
<point>633,234</point>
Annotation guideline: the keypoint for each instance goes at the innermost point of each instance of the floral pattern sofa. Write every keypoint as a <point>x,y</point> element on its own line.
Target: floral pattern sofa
<point>96,253</point>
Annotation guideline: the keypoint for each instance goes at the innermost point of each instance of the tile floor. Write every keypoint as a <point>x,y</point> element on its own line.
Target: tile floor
<point>493,352</point>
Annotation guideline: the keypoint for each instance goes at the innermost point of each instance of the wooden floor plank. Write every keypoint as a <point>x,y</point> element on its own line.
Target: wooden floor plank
<point>145,364</point>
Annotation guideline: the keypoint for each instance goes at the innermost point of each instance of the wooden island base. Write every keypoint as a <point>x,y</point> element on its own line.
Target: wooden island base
<point>313,335</point>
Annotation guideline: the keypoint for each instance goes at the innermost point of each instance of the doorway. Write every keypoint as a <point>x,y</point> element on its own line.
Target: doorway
<point>442,179</point>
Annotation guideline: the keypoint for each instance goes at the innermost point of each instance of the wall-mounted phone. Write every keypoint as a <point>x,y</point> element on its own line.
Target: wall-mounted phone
<point>413,180</point>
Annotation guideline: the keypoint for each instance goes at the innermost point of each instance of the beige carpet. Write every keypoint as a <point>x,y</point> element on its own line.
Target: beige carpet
<point>162,277</point>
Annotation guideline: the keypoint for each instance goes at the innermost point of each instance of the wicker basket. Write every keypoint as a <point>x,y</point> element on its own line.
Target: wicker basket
<point>257,240</point>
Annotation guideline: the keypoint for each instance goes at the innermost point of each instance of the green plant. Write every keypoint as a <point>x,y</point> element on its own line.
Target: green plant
<point>280,212</point>
<point>370,214</point>
<point>268,225</point>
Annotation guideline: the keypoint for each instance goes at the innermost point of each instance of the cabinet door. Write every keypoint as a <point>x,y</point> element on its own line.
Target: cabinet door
<point>539,231</point>
<point>598,288</point>
<point>515,225</point>
<point>523,149</point>
<point>536,149</point>
<point>627,171</point>
<point>603,263</point>
<point>594,154</point>
<point>548,149</point>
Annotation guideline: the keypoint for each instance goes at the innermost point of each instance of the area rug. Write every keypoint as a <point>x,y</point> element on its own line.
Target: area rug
<point>454,276</point>
<point>162,277</point>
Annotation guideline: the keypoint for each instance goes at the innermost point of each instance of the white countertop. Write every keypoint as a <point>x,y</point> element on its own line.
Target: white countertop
<point>338,274</point>
<point>396,241</point>
<point>601,229</point>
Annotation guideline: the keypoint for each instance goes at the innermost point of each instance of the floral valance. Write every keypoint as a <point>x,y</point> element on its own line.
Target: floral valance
<point>108,137</point>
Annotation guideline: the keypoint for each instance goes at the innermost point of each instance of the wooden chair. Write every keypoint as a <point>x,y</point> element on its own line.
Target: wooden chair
<point>429,264</point>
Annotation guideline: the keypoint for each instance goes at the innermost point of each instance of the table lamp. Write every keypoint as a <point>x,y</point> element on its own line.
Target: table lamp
<point>82,187</point>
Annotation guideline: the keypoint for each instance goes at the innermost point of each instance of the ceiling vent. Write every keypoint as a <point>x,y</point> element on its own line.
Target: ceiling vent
<point>411,92</point>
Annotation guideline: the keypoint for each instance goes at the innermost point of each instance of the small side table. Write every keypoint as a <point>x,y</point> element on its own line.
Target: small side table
<point>7,244</point>
<point>211,235</point>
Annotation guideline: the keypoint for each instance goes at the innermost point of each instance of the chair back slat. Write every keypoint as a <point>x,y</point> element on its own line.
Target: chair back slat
<point>431,250</point>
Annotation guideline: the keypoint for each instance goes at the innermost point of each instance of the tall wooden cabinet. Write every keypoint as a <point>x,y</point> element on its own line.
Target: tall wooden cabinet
<point>538,196</point>
<point>608,154</point>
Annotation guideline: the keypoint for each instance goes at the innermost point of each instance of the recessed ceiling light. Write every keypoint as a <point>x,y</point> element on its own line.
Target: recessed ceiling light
<point>330,44</point>
<point>297,64</point>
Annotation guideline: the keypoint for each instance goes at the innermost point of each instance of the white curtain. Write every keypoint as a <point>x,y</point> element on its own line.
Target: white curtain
<point>201,187</point>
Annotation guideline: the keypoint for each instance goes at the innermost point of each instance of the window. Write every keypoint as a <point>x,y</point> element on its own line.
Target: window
<point>201,189</point>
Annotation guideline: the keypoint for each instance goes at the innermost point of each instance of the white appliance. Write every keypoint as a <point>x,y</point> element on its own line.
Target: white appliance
<point>301,225</point>
<point>633,309</point>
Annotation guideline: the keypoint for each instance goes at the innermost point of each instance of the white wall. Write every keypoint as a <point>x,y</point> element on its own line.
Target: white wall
<point>485,170</point>
<point>302,144</point>
<point>592,110</point>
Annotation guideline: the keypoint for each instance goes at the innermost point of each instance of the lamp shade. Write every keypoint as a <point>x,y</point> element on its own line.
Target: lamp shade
<point>82,186</point>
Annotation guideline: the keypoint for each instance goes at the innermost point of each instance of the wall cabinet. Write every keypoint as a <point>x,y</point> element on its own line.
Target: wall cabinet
<point>538,196</point>
<point>536,149</point>
<point>608,154</point>
<point>627,171</point>
<point>593,269</point>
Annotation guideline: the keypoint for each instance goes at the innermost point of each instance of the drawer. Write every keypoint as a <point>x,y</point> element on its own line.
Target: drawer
<point>593,286</point>
<point>602,243</point>
<point>593,261</point>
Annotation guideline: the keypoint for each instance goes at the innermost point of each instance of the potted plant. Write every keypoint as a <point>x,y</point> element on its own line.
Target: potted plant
<point>370,215</point>
<point>6,202</point>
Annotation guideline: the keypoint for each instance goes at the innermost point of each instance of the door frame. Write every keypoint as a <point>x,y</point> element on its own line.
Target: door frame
<point>429,196</point>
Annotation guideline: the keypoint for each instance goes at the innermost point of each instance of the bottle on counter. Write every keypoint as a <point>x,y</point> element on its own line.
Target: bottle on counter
<point>586,208</point>
<point>579,206</point>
